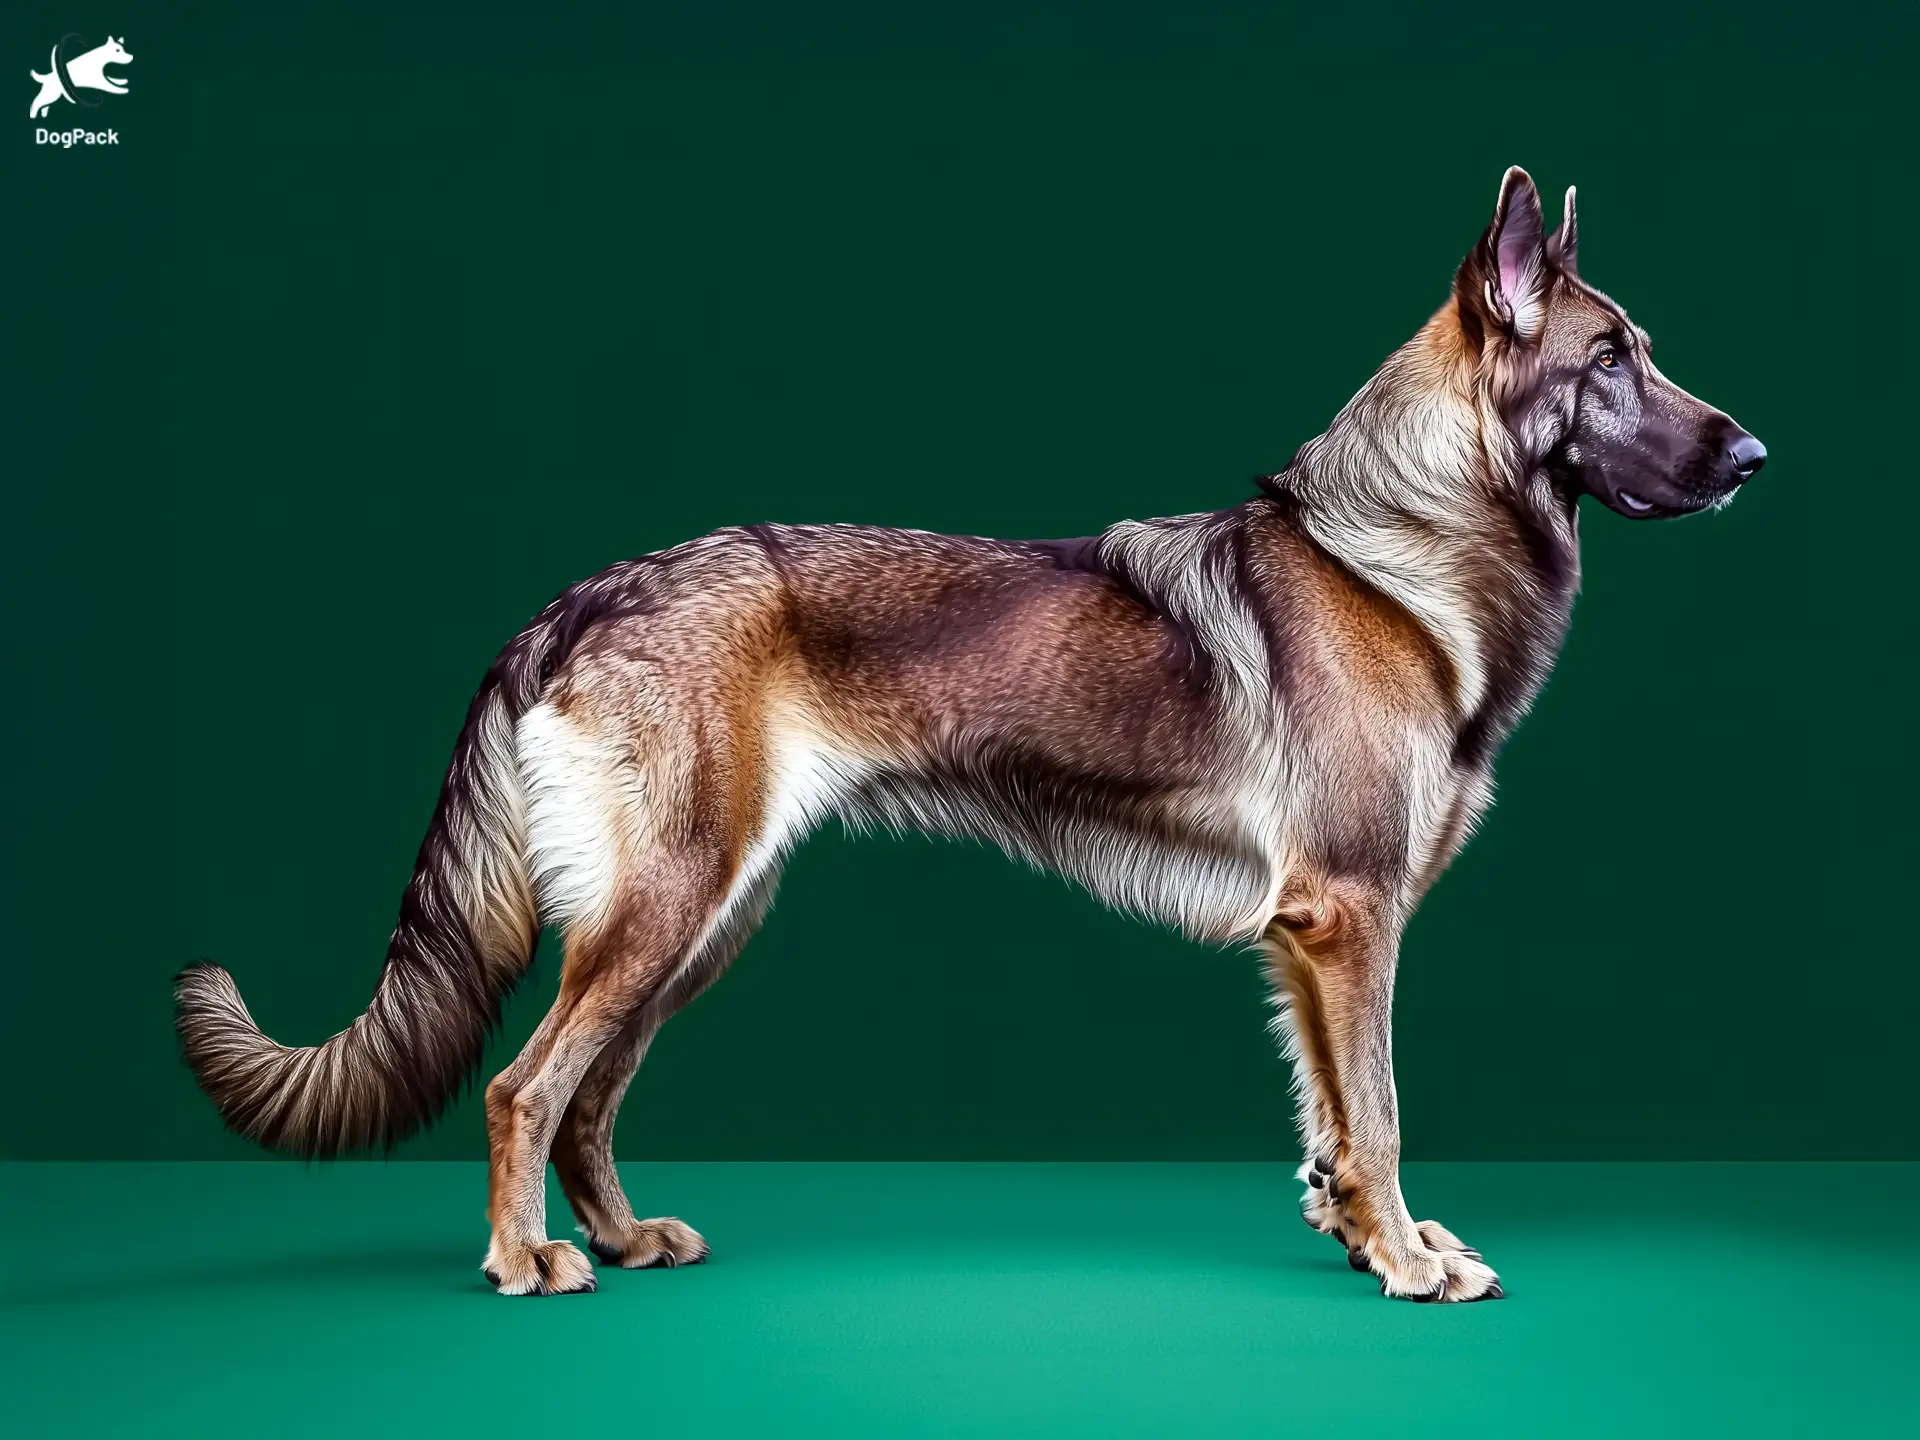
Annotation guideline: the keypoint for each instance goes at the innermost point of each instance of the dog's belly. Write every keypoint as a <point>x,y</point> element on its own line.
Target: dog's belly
<point>1190,866</point>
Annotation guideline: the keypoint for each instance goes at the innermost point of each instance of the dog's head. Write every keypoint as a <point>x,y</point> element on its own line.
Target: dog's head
<point>113,52</point>
<point>1574,379</point>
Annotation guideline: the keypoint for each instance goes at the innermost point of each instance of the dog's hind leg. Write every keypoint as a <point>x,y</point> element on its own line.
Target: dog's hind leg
<point>612,973</point>
<point>1336,946</point>
<point>583,1148</point>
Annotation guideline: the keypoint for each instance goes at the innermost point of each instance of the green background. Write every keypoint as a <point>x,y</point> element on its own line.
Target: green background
<point>1040,1299</point>
<point>380,326</point>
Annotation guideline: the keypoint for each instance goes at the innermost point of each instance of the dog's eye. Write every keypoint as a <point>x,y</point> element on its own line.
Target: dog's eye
<point>1608,359</point>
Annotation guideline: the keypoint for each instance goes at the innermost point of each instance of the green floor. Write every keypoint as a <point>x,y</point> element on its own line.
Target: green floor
<point>960,1299</point>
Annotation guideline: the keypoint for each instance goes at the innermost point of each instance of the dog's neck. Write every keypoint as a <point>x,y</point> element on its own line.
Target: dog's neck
<point>1420,490</point>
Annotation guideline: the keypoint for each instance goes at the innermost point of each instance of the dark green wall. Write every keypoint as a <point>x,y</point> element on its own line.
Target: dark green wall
<point>377,329</point>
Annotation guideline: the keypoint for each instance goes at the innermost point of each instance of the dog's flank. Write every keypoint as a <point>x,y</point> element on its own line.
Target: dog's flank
<point>1269,725</point>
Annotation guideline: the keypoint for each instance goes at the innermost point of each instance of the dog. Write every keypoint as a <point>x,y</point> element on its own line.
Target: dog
<point>1272,725</point>
<point>88,72</point>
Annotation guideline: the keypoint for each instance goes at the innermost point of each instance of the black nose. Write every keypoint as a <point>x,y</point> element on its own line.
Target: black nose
<point>1747,456</point>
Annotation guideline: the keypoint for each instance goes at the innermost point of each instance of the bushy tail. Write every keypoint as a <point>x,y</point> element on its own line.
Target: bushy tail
<point>466,935</point>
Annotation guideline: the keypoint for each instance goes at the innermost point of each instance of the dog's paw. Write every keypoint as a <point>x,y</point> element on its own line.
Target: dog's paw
<point>1443,1269</point>
<point>1438,1237</point>
<point>653,1245</point>
<point>1321,1205</point>
<point>553,1267</point>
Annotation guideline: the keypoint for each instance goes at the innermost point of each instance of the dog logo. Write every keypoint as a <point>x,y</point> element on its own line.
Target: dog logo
<point>83,72</point>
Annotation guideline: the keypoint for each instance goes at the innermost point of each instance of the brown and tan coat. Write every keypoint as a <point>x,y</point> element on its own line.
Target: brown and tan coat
<point>1271,725</point>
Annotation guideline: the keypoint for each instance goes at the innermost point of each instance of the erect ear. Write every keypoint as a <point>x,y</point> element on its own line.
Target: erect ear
<point>1563,247</point>
<point>1502,284</point>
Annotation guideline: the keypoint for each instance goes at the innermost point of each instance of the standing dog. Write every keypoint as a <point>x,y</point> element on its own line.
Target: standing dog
<point>1273,724</point>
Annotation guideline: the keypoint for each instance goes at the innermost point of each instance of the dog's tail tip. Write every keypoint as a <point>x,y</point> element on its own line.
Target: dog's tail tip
<point>202,990</point>
<point>311,1101</point>
<point>216,1030</point>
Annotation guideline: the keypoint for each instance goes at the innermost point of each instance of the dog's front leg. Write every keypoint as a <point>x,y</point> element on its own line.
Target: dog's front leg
<point>1333,947</point>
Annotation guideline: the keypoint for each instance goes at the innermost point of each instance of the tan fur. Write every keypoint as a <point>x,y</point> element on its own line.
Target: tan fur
<point>1334,945</point>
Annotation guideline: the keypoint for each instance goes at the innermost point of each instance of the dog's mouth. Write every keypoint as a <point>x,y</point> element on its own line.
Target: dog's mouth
<point>1637,507</point>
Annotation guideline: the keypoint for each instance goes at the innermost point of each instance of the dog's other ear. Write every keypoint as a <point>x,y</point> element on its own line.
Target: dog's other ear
<point>1502,284</point>
<point>1563,248</point>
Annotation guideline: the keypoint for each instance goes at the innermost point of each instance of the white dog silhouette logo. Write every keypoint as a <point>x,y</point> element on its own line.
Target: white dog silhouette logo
<point>82,72</point>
